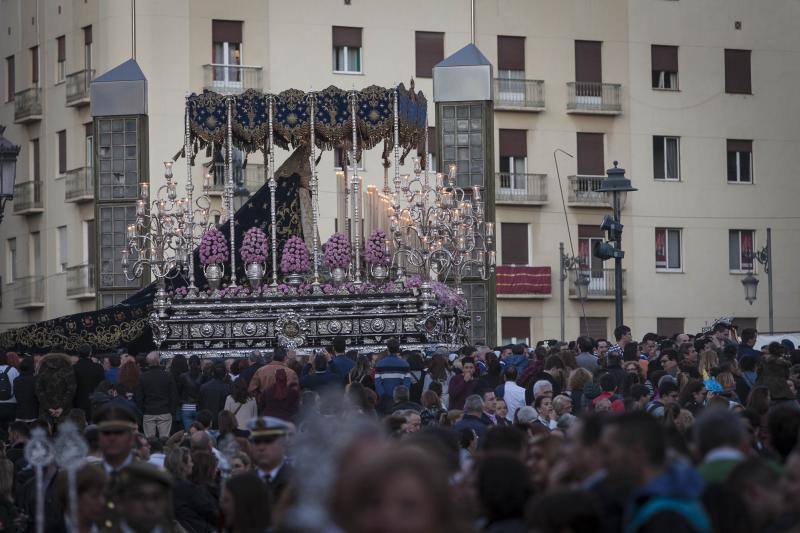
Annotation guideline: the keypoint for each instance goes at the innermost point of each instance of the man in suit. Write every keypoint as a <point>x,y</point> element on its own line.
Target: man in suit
<point>88,376</point>
<point>268,440</point>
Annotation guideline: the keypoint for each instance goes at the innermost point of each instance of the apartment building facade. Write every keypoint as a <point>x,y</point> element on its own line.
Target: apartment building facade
<point>694,100</point>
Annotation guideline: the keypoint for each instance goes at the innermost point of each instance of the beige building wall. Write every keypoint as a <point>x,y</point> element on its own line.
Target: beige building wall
<point>291,42</point>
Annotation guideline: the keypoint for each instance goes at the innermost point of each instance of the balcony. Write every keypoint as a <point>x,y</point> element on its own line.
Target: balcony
<point>79,185</point>
<point>520,189</point>
<point>29,292</point>
<point>28,198</point>
<point>601,283</point>
<point>28,106</point>
<point>250,177</point>
<point>78,87</point>
<point>594,98</point>
<point>514,281</point>
<point>518,95</point>
<point>231,79</point>
<point>80,282</point>
<point>254,177</point>
<point>583,192</point>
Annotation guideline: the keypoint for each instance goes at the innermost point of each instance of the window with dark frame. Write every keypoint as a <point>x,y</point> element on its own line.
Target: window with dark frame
<point>61,59</point>
<point>514,243</point>
<point>428,50</point>
<point>475,295</point>
<point>118,158</point>
<point>62,248</point>
<point>591,159</point>
<point>588,62</point>
<point>11,267</point>
<point>595,327</point>
<point>226,36</point>
<point>741,246</point>
<point>515,329</point>
<point>668,249</point>
<point>87,47</point>
<point>664,66</point>
<point>740,161</point>
<point>462,142</point>
<point>666,158</point>
<point>588,237</point>
<point>61,136</point>
<point>737,72</point>
<point>347,42</point>
<point>10,79</point>
<point>513,162</point>
<point>35,66</point>
<point>511,68</point>
<point>34,158</point>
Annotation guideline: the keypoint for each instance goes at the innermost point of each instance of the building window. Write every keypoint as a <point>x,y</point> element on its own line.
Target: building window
<point>591,160</point>
<point>33,163</point>
<point>737,72</point>
<point>514,244</point>
<point>513,159</point>
<point>475,295</point>
<point>227,58</point>
<point>89,254</point>
<point>511,68</point>
<point>462,142</point>
<point>664,66</point>
<point>118,158</point>
<point>10,79</point>
<point>740,161</point>
<point>11,258</point>
<point>515,329</point>
<point>668,327</point>
<point>61,138</point>
<point>668,249</point>
<point>588,62</point>
<point>35,66</point>
<point>666,158</point>
<point>87,47</point>
<point>61,63</point>
<point>347,49</point>
<point>595,327</point>
<point>429,50</point>
<point>740,250</point>
<point>89,156</point>
<point>113,223</point>
<point>61,243</point>
<point>36,252</point>
<point>588,237</point>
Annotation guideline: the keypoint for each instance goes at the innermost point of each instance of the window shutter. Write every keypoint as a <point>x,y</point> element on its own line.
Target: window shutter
<point>658,157</point>
<point>667,327</point>
<point>429,50</point>
<point>226,31</point>
<point>590,154</point>
<point>737,72</point>
<point>89,129</point>
<point>62,49</point>
<point>12,82</point>
<point>62,152</point>
<point>36,174</point>
<point>588,61</point>
<point>513,143</point>
<point>594,327</point>
<point>510,53</point>
<point>661,248</point>
<point>35,65</point>
<point>514,239</point>
<point>90,243</point>
<point>346,36</point>
<point>87,35</point>
<point>592,231</point>
<point>738,145</point>
<point>518,327</point>
<point>664,57</point>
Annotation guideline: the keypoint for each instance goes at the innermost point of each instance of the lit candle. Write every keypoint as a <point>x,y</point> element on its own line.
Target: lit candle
<point>208,180</point>
<point>476,192</point>
<point>489,229</point>
<point>131,231</point>
<point>144,191</point>
<point>140,208</point>
<point>124,254</point>
<point>481,256</point>
<point>439,180</point>
<point>492,258</point>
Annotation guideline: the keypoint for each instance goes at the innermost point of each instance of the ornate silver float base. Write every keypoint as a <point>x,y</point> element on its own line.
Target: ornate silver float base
<point>233,327</point>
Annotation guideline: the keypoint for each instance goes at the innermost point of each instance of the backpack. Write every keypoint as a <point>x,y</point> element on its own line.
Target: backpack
<point>6,390</point>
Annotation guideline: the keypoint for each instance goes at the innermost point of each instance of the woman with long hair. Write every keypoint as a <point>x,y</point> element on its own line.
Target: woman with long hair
<point>693,396</point>
<point>431,409</point>
<point>578,379</point>
<point>177,366</point>
<point>362,372</point>
<point>194,506</point>
<point>439,372</point>
<point>228,425</point>
<point>245,504</point>
<point>758,400</point>
<point>128,377</point>
<point>241,404</point>
<point>709,362</point>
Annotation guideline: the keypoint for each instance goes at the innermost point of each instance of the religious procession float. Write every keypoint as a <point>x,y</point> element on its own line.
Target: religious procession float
<point>260,277</point>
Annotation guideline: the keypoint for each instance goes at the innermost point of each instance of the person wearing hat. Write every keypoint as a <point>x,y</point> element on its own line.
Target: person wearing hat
<point>268,444</point>
<point>116,425</point>
<point>143,501</point>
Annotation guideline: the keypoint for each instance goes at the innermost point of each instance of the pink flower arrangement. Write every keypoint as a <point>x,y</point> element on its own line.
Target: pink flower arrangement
<point>213,247</point>
<point>254,246</point>
<point>375,248</point>
<point>295,256</point>
<point>338,251</point>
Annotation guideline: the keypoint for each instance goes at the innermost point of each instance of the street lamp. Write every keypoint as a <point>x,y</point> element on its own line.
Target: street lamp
<point>617,186</point>
<point>8,170</point>
<point>750,282</point>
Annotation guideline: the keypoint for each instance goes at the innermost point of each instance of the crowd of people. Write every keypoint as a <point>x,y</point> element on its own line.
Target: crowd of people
<point>693,433</point>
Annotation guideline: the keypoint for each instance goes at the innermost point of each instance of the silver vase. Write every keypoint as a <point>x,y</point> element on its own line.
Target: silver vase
<point>294,279</point>
<point>214,273</point>
<point>255,273</point>
<point>380,272</point>
<point>338,274</point>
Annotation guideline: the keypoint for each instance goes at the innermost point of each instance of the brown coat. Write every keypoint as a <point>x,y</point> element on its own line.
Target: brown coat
<point>265,377</point>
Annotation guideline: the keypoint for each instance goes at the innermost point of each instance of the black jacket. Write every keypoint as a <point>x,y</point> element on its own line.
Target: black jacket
<point>87,376</point>
<point>25,393</point>
<point>212,397</point>
<point>247,373</point>
<point>189,387</point>
<point>195,508</point>
<point>156,393</point>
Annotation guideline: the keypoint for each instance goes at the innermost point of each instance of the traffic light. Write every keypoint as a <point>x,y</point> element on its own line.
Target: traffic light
<point>606,250</point>
<point>612,227</point>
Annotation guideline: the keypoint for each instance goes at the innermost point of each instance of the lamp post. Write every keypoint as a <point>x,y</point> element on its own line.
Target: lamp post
<point>8,170</point>
<point>617,186</point>
<point>567,263</point>
<point>750,282</point>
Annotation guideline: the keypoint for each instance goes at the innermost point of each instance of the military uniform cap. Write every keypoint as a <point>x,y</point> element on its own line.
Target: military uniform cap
<point>115,417</point>
<point>266,427</point>
<point>140,472</point>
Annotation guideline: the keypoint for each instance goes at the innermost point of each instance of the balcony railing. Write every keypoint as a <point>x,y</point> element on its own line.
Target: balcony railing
<point>29,292</point>
<point>250,177</point>
<point>518,95</point>
<point>513,188</point>
<point>601,283</point>
<point>583,191</point>
<point>78,87</point>
<point>231,79</point>
<point>594,98</point>
<point>28,105</point>
<point>79,186</point>
<point>28,198</point>
<point>80,281</point>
